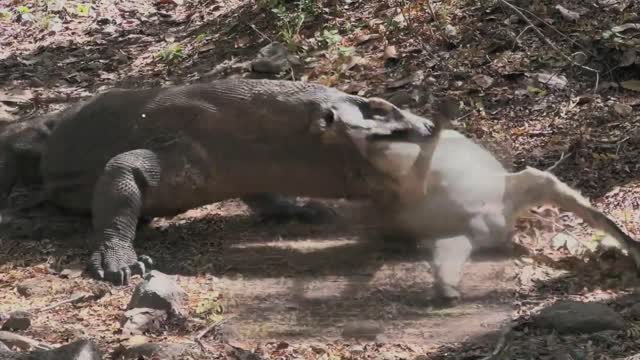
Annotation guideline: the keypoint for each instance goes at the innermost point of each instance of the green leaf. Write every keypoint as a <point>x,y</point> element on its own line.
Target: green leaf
<point>83,9</point>
<point>536,91</point>
<point>23,10</point>
<point>633,85</point>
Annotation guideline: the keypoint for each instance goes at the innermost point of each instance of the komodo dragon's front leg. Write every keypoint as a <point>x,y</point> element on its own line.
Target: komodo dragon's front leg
<point>116,206</point>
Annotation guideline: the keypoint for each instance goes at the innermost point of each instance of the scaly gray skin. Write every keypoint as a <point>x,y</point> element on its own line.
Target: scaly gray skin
<point>473,203</point>
<point>127,154</point>
<point>21,146</point>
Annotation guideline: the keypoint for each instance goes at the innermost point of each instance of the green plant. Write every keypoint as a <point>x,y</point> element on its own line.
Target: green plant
<point>289,23</point>
<point>83,9</point>
<point>345,51</point>
<point>171,53</point>
<point>201,37</point>
<point>290,20</point>
<point>23,10</point>
<point>330,38</point>
<point>210,307</point>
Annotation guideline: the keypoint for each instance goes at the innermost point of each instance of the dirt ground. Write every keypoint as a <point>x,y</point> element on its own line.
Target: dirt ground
<point>316,291</point>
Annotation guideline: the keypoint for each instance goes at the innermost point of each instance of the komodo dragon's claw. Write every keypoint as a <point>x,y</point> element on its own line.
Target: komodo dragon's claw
<point>115,268</point>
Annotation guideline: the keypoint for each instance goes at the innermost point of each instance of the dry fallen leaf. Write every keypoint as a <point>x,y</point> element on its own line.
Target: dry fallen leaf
<point>390,52</point>
<point>568,14</point>
<point>415,77</point>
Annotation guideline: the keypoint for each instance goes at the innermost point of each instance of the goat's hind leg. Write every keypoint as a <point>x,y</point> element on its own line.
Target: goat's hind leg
<point>532,187</point>
<point>449,255</point>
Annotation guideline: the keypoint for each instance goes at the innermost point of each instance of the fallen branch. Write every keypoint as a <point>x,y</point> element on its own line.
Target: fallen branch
<point>73,299</point>
<point>24,343</point>
<point>550,43</point>
<point>563,157</point>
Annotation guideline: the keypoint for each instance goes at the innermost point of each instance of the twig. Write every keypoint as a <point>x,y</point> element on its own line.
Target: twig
<point>563,157</point>
<point>502,341</point>
<point>10,339</point>
<point>620,144</point>
<point>515,42</point>
<point>260,32</point>
<point>198,338</point>
<point>555,30</point>
<point>433,13</point>
<point>72,299</point>
<point>549,42</point>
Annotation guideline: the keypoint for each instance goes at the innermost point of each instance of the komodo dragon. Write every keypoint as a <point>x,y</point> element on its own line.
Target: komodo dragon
<point>124,154</point>
<point>473,203</point>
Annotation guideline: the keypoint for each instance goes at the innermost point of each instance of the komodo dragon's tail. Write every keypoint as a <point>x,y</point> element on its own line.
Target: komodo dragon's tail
<point>532,187</point>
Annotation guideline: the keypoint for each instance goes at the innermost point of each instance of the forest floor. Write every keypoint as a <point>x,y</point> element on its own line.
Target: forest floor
<point>312,291</point>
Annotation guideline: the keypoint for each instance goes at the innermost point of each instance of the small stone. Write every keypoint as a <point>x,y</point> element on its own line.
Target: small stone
<point>140,320</point>
<point>71,273</point>
<point>450,30</point>
<point>555,81</point>
<point>18,320</point>
<point>35,287</point>
<point>623,110</point>
<point>271,59</point>
<point>401,98</point>
<point>159,291</point>
<point>579,317</point>
<point>483,81</point>
<point>563,240</point>
<point>366,330</point>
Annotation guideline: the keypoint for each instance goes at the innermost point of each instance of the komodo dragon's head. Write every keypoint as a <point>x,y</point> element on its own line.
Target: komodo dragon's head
<point>21,147</point>
<point>396,142</point>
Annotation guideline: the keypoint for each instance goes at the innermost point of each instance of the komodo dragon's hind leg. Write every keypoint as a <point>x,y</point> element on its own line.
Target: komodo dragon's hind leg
<point>117,202</point>
<point>278,208</point>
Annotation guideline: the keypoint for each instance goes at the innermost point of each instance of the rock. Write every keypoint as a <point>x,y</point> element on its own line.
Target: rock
<point>140,320</point>
<point>401,98</point>
<point>555,81</point>
<point>18,320</point>
<point>159,291</point>
<point>579,317</point>
<point>155,351</point>
<point>564,240</point>
<point>482,80</point>
<point>365,330</point>
<point>35,287</point>
<point>271,59</point>
<point>450,30</point>
<point>71,273</point>
<point>622,110</point>
<point>77,350</point>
